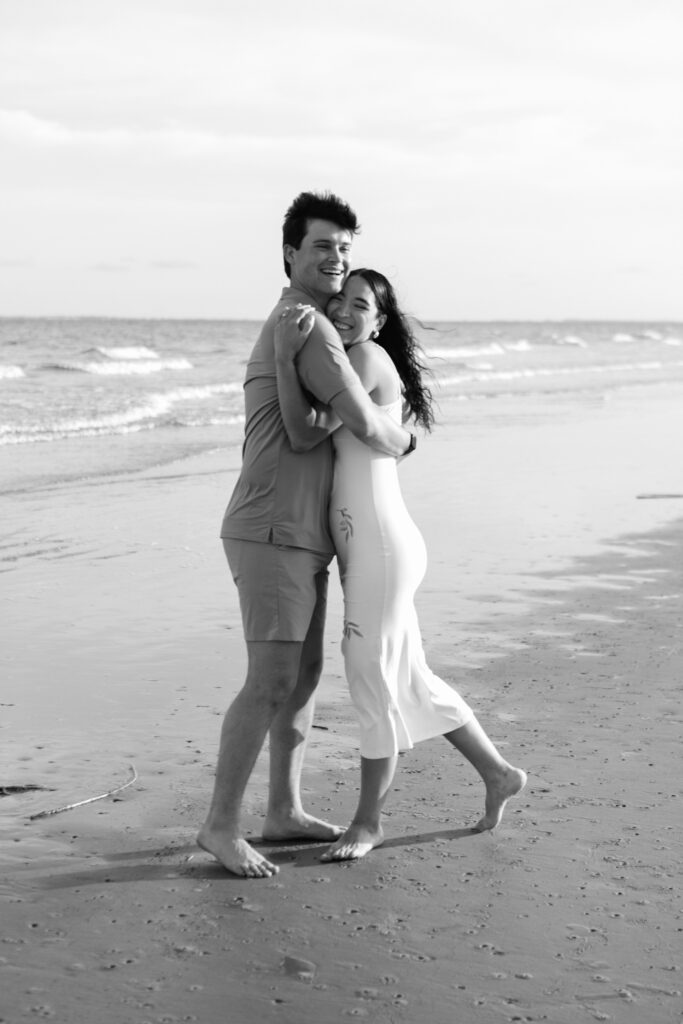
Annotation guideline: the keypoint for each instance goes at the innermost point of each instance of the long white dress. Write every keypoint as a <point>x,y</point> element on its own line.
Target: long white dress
<point>382,560</point>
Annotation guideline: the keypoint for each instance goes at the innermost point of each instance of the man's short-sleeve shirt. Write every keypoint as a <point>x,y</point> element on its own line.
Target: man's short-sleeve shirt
<point>282,496</point>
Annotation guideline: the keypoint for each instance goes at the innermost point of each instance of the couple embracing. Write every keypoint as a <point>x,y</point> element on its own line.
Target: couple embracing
<point>333,377</point>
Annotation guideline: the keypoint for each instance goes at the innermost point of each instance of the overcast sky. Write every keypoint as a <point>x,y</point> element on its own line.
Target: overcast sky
<point>508,159</point>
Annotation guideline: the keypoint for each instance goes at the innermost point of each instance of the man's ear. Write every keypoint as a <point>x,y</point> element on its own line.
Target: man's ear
<point>288,253</point>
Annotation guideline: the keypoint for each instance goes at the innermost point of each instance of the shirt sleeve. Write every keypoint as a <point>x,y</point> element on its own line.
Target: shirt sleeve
<point>323,365</point>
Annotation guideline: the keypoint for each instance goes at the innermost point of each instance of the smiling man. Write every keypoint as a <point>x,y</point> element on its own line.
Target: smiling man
<point>277,541</point>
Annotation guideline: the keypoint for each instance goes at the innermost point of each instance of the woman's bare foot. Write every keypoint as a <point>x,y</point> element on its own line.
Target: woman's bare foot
<point>235,854</point>
<point>299,826</point>
<point>499,789</point>
<point>355,843</point>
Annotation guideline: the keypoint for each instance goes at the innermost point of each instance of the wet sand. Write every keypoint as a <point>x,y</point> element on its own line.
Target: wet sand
<point>124,647</point>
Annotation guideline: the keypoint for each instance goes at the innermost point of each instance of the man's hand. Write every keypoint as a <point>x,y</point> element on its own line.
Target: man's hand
<point>292,329</point>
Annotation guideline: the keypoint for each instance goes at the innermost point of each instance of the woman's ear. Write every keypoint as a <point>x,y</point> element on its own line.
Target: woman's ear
<point>381,320</point>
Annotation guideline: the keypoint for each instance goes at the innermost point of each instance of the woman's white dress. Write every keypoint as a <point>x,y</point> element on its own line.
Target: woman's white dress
<point>382,560</point>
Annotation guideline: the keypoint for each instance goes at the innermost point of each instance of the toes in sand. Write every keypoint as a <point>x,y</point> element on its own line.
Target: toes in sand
<point>355,843</point>
<point>301,826</point>
<point>236,855</point>
<point>499,790</point>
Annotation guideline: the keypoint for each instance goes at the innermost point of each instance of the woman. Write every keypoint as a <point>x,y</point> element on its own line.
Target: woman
<point>382,560</point>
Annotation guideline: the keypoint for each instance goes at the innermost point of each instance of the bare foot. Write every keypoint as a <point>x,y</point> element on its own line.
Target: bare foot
<point>509,783</point>
<point>355,843</point>
<point>299,826</point>
<point>235,854</point>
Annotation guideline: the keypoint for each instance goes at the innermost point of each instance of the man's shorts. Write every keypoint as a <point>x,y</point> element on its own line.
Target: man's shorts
<point>282,590</point>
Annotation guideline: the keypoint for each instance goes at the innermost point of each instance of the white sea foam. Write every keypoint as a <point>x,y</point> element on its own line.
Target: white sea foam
<point>215,421</point>
<point>199,391</point>
<point>465,352</point>
<point>141,417</point>
<point>573,339</point>
<point>545,371</point>
<point>672,341</point>
<point>10,372</point>
<point>125,368</point>
<point>518,346</point>
<point>127,352</point>
<point>621,337</point>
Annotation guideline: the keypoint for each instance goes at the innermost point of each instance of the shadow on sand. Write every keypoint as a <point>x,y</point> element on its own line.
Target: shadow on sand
<point>187,860</point>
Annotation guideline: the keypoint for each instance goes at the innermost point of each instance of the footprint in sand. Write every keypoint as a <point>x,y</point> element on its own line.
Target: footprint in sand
<point>367,993</point>
<point>296,967</point>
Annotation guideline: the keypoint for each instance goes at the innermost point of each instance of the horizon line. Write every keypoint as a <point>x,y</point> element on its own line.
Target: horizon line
<point>420,320</point>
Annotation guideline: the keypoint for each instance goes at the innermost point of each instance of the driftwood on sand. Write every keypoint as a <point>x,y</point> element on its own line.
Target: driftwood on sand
<point>90,800</point>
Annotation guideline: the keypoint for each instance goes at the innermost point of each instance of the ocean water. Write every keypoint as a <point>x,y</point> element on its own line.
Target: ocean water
<point>88,397</point>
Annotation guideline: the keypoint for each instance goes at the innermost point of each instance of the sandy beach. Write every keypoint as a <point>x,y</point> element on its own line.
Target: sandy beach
<point>552,603</point>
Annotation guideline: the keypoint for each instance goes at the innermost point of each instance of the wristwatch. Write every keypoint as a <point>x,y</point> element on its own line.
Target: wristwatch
<point>412,446</point>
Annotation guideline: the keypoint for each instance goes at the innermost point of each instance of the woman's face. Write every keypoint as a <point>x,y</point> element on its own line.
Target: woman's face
<point>354,312</point>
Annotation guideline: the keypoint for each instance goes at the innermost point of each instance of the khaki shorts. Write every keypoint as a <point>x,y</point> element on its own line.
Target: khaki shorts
<point>282,590</point>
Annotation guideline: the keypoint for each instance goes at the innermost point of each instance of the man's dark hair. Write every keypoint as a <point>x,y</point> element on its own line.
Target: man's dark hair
<point>315,206</point>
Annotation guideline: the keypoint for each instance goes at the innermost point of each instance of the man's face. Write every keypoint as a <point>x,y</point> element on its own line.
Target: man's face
<point>320,265</point>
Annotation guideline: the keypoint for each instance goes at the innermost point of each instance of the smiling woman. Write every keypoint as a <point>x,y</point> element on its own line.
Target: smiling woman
<point>354,312</point>
<point>382,560</point>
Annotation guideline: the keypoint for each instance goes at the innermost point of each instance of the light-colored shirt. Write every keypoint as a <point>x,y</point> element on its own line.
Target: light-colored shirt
<point>281,496</point>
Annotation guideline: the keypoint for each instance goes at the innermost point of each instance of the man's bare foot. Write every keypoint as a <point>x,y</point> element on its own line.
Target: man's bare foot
<point>355,843</point>
<point>235,854</point>
<point>509,783</point>
<point>299,826</point>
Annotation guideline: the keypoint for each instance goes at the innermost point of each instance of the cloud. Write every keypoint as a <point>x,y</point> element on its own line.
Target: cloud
<point>24,127</point>
<point>18,263</point>
<point>173,265</point>
<point>20,126</point>
<point>105,267</point>
<point>494,131</point>
<point>506,144</point>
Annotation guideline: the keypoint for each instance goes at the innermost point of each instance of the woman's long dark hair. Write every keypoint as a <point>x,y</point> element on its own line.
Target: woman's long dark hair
<point>398,341</point>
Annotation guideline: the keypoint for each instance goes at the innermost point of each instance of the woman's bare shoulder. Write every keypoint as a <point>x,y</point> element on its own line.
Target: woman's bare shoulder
<point>369,353</point>
<point>374,366</point>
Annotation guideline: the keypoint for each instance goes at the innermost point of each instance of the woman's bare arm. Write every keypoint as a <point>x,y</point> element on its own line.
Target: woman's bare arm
<point>306,424</point>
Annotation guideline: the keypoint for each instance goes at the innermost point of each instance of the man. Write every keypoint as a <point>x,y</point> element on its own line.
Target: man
<point>276,538</point>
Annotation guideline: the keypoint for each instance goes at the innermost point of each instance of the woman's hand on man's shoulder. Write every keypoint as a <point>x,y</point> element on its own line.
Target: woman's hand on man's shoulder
<point>292,329</point>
